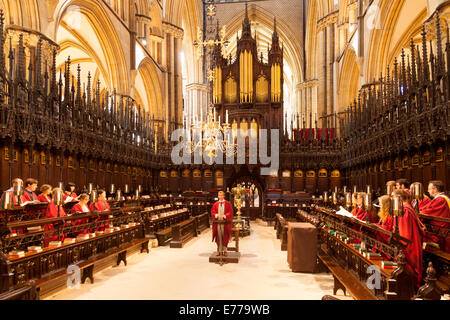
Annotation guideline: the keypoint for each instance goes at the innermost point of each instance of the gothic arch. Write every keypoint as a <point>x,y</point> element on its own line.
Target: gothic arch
<point>348,80</point>
<point>118,71</point>
<point>153,88</point>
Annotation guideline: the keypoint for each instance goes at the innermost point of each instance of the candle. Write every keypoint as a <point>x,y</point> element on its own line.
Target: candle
<point>396,205</point>
<point>18,189</point>
<point>140,188</point>
<point>58,198</point>
<point>417,191</point>
<point>369,190</point>
<point>137,194</point>
<point>126,191</point>
<point>348,199</point>
<point>325,196</point>
<point>367,200</point>
<point>335,197</point>
<point>61,186</point>
<point>7,201</point>
<point>389,190</point>
<point>94,196</point>
<point>345,189</point>
<point>112,189</point>
<point>355,190</point>
<point>90,188</point>
<point>119,195</point>
<point>336,189</point>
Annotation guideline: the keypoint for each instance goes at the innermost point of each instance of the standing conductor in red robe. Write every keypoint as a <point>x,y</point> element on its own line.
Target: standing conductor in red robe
<point>222,210</point>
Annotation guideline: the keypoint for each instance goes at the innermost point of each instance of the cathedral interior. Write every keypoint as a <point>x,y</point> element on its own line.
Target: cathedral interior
<point>128,117</point>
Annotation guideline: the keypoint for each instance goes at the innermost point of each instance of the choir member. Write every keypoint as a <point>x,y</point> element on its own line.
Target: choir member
<point>386,220</point>
<point>438,207</point>
<point>359,212</point>
<point>101,204</point>
<point>15,184</point>
<point>45,189</point>
<point>402,184</point>
<point>69,194</point>
<point>30,188</point>
<point>53,211</point>
<point>409,229</point>
<point>81,208</point>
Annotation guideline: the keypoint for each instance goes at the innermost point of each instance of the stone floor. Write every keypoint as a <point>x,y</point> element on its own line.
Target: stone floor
<point>177,274</point>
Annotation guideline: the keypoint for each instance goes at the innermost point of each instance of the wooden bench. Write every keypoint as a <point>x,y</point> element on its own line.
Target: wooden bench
<point>27,292</point>
<point>282,230</point>
<point>202,222</point>
<point>183,232</point>
<point>164,236</point>
<point>87,266</point>
<point>345,280</point>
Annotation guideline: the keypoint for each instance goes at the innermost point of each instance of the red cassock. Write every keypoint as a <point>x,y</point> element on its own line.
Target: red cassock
<point>77,209</point>
<point>73,195</point>
<point>52,212</point>
<point>359,213</point>
<point>409,229</point>
<point>424,203</point>
<point>387,225</point>
<point>438,207</point>
<point>228,228</point>
<point>27,197</point>
<point>100,205</point>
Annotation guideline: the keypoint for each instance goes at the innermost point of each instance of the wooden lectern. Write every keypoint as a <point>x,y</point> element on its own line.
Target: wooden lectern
<point>231,257</point>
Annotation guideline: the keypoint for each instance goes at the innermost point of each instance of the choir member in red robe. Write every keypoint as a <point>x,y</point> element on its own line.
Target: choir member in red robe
<point>409,229</point>
<point>359,212</point>
<point>81,208</point>
<point>438,207</point>
<point>222,210</point>
<point>30,188</point>
<point>386,221</point>
<point>101,205</point>
<point>45,196</point>
<point>69,194</point>
<point>402,184</point>
<point>53,211</point>
<point>15,184</point>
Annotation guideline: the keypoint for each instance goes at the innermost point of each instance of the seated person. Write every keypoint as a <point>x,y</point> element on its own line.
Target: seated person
<point>30,188</point>
<point>69,194</point>
<point>53,212</point>
<point>45,189</point>
<point>386,220</point>
<point>359,212</point>
<point>15,184</point>
<point>438,207</point>
<point>402,184</point>
<point>101,204</point>
<point>408,228</point>
<point>79,209</point>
